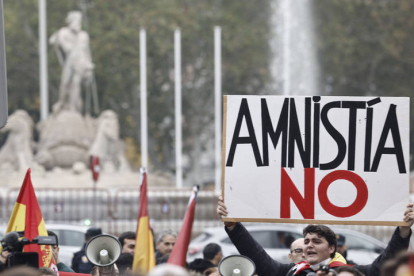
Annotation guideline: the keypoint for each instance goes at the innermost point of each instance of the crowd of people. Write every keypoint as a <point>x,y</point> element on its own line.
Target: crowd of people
<point>319,252</point>
<point>164,243</point>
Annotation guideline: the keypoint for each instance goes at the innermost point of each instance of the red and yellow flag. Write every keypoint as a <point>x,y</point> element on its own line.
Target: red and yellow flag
<point>179,252</point>
<point>144,258</point>
<point>27,217</point>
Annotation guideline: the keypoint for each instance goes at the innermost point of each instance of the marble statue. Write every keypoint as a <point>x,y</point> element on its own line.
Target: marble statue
<point>72,47</point>
<point>66,136</point>
<point>17,152</point>
<point>107,144</point>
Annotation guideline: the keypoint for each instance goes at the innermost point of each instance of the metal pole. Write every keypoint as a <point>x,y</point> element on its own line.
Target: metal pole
<point>217,105</point>
<point>143,88</point>
<point>286,47</point>
<point>44,101</point>
<point>4,111</point>
<point>178,138</point>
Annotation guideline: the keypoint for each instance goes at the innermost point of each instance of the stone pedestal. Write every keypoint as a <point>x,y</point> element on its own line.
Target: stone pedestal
<point>65,138</point>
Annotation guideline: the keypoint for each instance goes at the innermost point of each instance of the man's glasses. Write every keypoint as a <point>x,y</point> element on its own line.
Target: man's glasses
<point>297,251</point>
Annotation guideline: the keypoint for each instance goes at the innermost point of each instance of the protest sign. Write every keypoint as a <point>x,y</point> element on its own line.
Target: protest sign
<point>338,160</point>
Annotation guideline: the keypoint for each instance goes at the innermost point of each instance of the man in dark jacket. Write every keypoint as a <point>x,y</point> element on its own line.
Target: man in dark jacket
<point>80,263</point>
<point>165,243</point>
<point>319,249</point>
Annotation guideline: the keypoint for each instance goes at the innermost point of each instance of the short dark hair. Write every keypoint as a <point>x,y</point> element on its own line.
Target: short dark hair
<point>350,269</point>
<point>199,265</point>
<point>211,250</point>
<point>124,261</point>
<point>322,231</point>
<point>51,233</point>
<point>92,232</point>
<point>129,235</point>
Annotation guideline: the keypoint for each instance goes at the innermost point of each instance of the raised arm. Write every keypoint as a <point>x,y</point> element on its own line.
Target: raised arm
<point>399,242</point>
<point>247,246</point>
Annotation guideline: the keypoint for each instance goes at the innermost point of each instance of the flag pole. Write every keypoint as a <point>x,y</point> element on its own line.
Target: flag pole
<point>44,101</point>
<point>178,139</point>
<point>143,88</point>
<point>217,105</point>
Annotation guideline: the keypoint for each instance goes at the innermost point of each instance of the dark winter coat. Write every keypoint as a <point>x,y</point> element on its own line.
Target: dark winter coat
<point>80,263</point>
<point>266,266</point>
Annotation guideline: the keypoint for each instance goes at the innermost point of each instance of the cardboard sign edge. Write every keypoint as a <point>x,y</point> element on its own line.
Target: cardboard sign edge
<point>317,221</point>
<point>223,149</point>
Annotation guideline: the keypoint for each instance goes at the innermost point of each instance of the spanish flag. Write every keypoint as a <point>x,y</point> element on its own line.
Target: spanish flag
<point>27,217</point>
<point>179,252</point>
<point>144,258</point>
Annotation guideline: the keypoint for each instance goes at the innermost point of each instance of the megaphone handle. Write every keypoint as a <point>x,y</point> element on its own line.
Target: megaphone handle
<point>103,271</point>
<point>95,271</point>
<point>107,270</point>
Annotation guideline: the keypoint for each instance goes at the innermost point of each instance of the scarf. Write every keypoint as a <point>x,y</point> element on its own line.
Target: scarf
<point>336,261</point>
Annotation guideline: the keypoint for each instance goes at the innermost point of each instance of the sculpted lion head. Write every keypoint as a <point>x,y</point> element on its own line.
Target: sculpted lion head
<point>107,144</point>
<point>20,123</point>
<point>17,152</point>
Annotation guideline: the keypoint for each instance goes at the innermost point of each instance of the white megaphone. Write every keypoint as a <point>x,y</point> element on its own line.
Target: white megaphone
<point>236,265</point>
<point>103,251</point>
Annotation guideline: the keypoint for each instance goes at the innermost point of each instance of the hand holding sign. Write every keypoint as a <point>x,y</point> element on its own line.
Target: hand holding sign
<point>222,212</point>
<point>221,208</point>
<point>408,217</point>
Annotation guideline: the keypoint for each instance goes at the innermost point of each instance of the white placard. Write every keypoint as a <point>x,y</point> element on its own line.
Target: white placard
<point>339,160</point>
